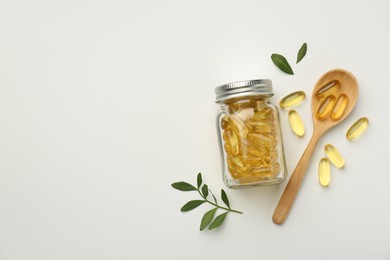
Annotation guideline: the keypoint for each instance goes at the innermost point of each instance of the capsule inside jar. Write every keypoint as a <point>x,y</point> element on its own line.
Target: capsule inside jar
<point>250,142</point>
<point>249,130</point>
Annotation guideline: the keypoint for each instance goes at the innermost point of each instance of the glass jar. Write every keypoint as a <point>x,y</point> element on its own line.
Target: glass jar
<point>249,134</point>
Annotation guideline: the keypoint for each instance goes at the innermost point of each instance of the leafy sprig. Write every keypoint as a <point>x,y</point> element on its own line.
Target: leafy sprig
<point>302,52</point>
<point>281,62</point>
<point>208,219</point>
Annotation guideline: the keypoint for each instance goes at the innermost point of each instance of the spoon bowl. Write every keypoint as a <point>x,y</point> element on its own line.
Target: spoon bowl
<point>334,96</point>
<point>345,83</point>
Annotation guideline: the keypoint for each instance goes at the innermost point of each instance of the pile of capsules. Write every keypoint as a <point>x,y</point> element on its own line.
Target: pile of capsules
<point>250,135</point>
<point>329,106</point>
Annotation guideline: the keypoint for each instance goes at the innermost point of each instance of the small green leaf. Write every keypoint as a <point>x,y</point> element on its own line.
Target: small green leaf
<point>205,190</point>
<point>199,180</point>
<point>302,52</point>
<point>207,218</point>
<point>215,199</point>
<point>191,205</point>
<point>282,63</point>
<point>225,198</point>
<point>218,221</point>
<point>183,186</point>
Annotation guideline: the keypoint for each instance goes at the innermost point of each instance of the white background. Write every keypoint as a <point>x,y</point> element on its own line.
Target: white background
<point>104,104</point>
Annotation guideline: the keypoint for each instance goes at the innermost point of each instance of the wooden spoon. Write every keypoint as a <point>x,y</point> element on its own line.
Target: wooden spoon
<point>344,83</point>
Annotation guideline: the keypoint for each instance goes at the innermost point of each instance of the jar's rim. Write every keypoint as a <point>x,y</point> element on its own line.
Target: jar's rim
<point>243,88</point>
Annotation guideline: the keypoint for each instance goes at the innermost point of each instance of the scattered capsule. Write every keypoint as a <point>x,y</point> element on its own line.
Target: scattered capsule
<point>292,99</point>
<point>324,172</point>
<point>334,156</point>
<point>296,123</point>
<point>325,107</point>
<point>339,108</point>
<point>327,89</point>
<point>357,129</point>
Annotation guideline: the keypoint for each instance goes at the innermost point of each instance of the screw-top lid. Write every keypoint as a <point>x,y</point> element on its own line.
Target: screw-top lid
<point>244,88</point>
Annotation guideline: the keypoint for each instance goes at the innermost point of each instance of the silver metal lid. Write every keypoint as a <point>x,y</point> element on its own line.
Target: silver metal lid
<point>243,88</point>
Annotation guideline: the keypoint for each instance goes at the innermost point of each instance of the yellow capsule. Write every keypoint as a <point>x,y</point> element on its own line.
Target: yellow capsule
<point>296,123</point>
<point>250,179</point>
<point>339,108</point>
<point>237,167</point>
<point>357,129</point>
<point>250,151</point>
<point>334,156</point>
<point>236,161</point>
<point>257,152</point>
<point>233,172</point>
<point>327,89</point>
<point>253,161</point>
<point>292,99</point>
<point>231,142</point>
<point>233,168</point>
<point>258,104</point>
<point>238,126</point>
<point>262,139</point>
<point>324,172</point>
<point>264,169</point>
<point>325,107</point>
<point>237,106</point>
<point>271,117</point>
<point>259,174</point>
<point>231,150</point>
<point>224,122</point>
<point>265,113</point>
<point>260,126</point>
<point>245,114</point>
<point>234,107</point>
<point>270,157</point>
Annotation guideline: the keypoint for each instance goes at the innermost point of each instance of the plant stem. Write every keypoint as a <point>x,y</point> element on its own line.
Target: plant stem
<point>228,209</point>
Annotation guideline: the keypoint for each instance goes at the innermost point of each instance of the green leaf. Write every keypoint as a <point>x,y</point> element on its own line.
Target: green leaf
<point>191,205</point>
<point>225,198</point>
<point>218,221</point>
<point>205,190</point>
<point>215,199</point>
<point>183,186</point>
<point>302,52</point>
<point>207,218</point>
<point>199,180</point>
<point>282,63</point>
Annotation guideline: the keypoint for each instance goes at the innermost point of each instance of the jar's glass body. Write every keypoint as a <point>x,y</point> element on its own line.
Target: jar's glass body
<point>251,142</point>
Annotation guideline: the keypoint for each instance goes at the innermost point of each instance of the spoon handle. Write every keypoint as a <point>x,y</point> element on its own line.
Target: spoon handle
<point>289,194</point>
